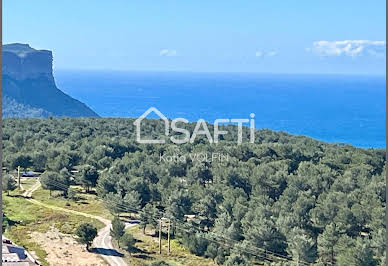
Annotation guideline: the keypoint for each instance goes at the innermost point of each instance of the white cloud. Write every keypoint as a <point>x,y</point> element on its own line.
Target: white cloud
<point>348,48</point>
<point>272,53</point>
<point>263,54</point>
<point>168,52</point>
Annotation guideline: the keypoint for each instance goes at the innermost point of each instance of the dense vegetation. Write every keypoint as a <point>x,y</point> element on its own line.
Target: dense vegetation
<point>284,197</point>
<point>12,108</point>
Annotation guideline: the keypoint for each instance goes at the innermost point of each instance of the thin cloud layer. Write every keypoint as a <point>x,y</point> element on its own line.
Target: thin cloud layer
<point>272,53</point>
<point>349,48</point>
<point>168,52</point>
<point>263,54</point>
<point>258,54</point>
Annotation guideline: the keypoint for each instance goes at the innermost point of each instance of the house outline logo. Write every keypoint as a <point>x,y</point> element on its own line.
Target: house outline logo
<point>201,128</point>
<point>137,123</point>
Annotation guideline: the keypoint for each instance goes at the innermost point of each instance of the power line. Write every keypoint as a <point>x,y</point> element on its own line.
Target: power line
<point>124,207</point>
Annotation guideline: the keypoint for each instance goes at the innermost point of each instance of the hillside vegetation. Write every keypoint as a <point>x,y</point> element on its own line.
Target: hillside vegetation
<point>282,198</point>
<point>11,108</point>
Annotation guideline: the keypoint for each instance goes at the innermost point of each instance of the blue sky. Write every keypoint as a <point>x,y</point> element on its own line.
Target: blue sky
<point>277,36</point>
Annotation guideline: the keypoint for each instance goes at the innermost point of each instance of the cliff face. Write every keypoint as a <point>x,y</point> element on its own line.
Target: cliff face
<point>28,80</point>
<point>20,61</point>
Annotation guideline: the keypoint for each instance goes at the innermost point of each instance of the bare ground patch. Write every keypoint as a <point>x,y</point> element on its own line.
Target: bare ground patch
<point>63,249</point>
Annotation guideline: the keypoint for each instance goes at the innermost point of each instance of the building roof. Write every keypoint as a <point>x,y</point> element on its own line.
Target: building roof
<point>13,255</point>
<point>12,249</point>
<point>10,257</point>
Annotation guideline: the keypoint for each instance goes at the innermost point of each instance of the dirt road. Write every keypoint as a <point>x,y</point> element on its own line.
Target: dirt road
<point>102,243</point>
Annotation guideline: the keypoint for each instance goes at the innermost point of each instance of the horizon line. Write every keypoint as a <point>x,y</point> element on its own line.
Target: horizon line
<point>218,72</point>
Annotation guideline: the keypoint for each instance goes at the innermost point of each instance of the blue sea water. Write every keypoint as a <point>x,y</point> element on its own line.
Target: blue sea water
<point>334,108</point>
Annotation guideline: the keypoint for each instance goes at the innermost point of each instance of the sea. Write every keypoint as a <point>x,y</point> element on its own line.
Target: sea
<point>347,109</point>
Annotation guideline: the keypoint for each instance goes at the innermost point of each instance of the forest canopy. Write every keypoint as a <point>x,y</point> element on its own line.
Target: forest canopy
<point>284,196</point>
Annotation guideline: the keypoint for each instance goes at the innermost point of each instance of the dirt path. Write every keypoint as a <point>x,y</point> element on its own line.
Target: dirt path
<point>103,241</point>
<point>28,192</point>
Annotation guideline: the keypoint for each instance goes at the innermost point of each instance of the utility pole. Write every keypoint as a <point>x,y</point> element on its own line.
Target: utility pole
<point>160,236</point>
<point>168,235</point>
<point>19,177</point>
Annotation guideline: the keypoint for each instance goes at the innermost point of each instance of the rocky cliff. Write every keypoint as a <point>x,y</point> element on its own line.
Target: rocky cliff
<point>28,81</point>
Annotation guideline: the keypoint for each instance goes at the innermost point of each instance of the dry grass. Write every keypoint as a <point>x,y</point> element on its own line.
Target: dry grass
<point>87,203</point>
<point>27,218</point>
<point>27,182</point>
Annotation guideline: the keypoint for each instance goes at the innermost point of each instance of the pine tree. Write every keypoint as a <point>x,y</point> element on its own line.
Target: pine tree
<point>128,241</point>
<point>113,202</point>
<point>148,215</point>
<point>132,200</point>
<point>86,233</point>
<point>9,183</point>
<point>358,254</point>
<point>117,230</point>
<point>88,177</point>
<point>326,242</point>
<point>301,246</point>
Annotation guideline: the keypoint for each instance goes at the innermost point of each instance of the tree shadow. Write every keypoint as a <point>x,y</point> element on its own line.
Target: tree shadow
<point>79,198</point>
<point>142,256</point>
<point>138,250</point>
<point>13,222</point>
<point>90,192</point>
<point>15,196</point>
<point>140,253</point>
<point>107,252</point>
